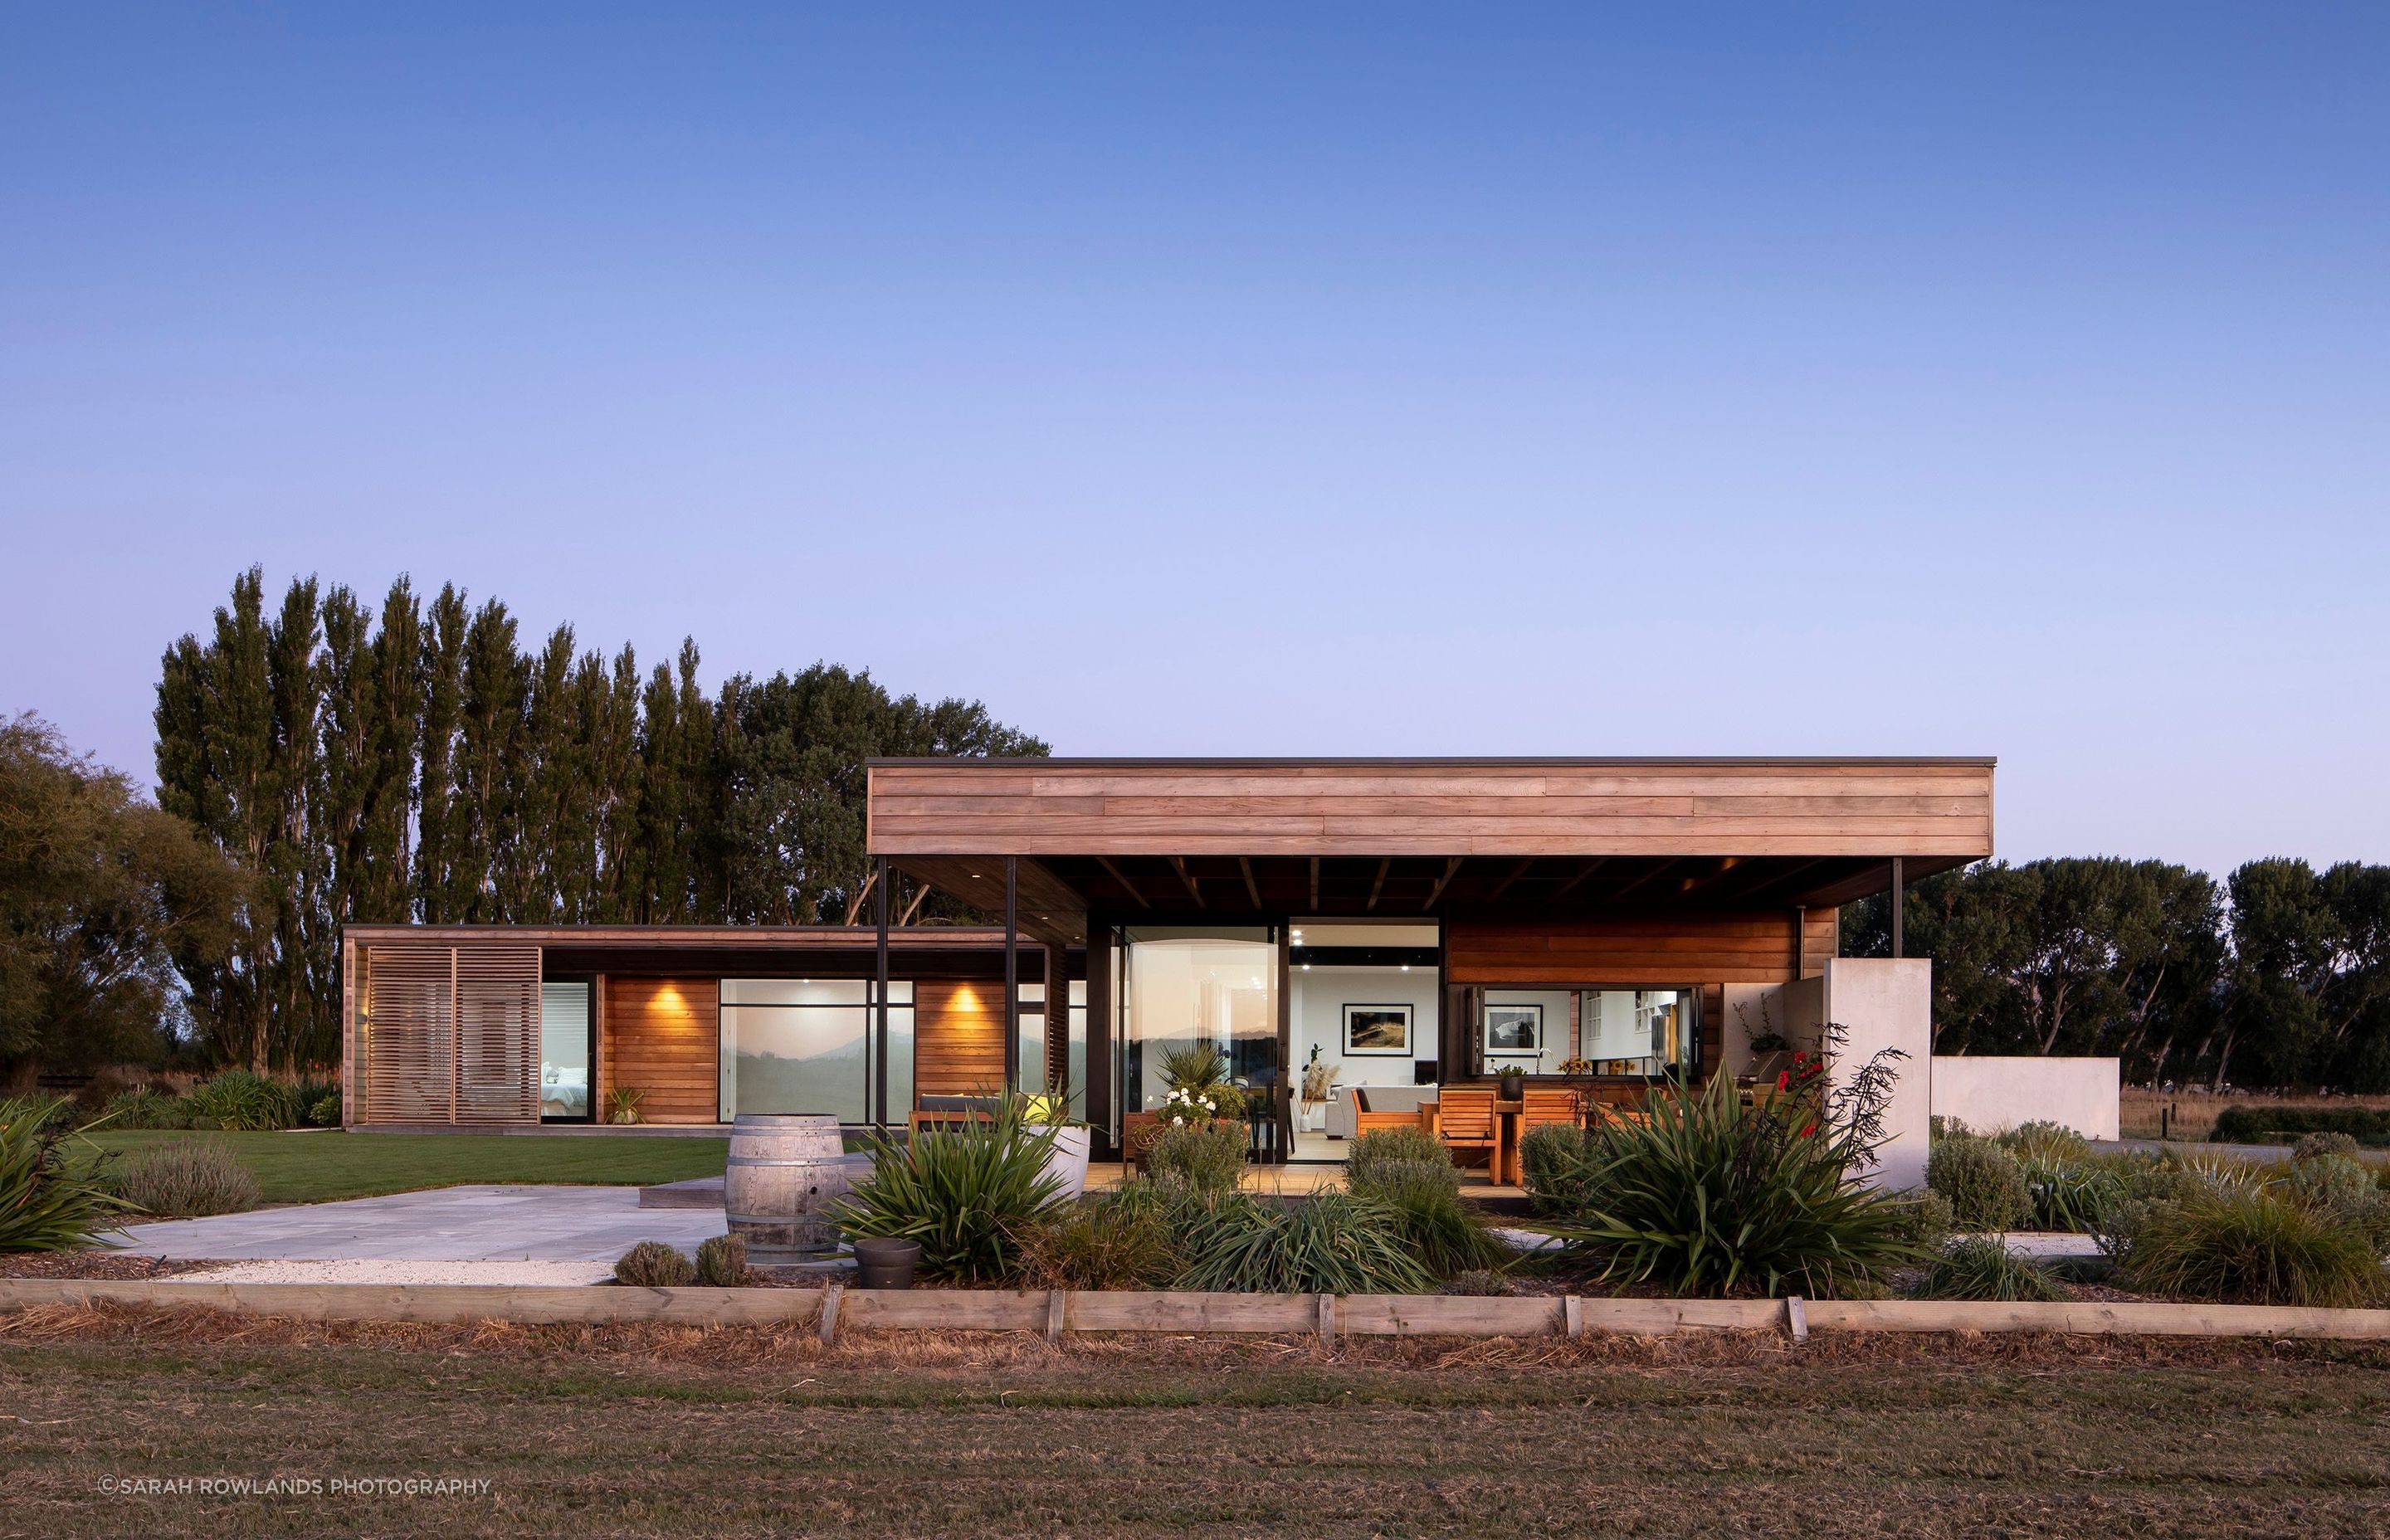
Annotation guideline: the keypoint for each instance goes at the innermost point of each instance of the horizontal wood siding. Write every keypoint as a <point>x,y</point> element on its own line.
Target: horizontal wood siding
<point>664,1036</point>
<point>957,1038</point>
<point>1677,948</point>
<point>1682,808</point>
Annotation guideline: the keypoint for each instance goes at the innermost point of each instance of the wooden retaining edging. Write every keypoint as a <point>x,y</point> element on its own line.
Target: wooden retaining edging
<point>1053,1312</point>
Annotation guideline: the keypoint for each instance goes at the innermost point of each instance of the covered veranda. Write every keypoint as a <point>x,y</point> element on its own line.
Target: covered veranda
<point>1419,926</point>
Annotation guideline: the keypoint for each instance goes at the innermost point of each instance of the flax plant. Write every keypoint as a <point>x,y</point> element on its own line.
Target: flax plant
<point>1710,1196</point>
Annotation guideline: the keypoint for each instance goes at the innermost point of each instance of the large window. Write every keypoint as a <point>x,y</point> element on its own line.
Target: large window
<point>805,1045</point>
<point>1033,1043</point>
<point>1188,986</point>
<point>1619,1031</point>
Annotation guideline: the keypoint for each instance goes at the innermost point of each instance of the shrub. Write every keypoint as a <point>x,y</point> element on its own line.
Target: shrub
<point>47,1201</point>
<point>1981,1267</point>
<point>186,1179</point>
<point>1329,1243</point>
<point>240,1101</point>
<point>1554,1158</point>
<point>2263,1124</point>
<point>2341,1188</point>
<point>2332,1143</point>
<point>1924,1220</point>
<point>1478,1281</point>
<point>653,1264</point>
<point>1121,1241</point>
<point>144,1108</point>
<point>1711,1197</point>
<point>722,1262</point>
<point>965,1193</point>
<point>1381,1146</point>
<point>2045,1140</point>
<point>325,1113</point>
<point>2333,1183</point>
<point>1984,1182</point>
<point>2253,1247</point>
<point>1446,1235</point>
<point>1210,1157</point>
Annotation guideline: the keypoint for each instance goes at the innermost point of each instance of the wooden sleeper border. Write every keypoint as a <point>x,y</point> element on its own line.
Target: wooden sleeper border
<point>1056,1312</point>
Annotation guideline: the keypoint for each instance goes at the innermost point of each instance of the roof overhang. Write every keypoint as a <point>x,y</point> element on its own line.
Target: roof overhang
<point>1475,833</point>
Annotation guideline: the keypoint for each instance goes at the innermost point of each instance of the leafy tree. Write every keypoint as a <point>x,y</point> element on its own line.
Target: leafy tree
<point>2073,955</point>
<point>100,895</point>
<point>794,784</point>
<point>419,764</point>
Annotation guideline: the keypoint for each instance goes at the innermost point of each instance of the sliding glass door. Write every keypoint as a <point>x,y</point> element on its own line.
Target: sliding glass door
<point>1189,987</point>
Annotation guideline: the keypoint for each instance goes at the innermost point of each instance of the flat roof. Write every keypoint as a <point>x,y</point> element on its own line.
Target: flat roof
<point>1383,762</point>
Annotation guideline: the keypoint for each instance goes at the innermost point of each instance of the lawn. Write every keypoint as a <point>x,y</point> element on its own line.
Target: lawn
<point>654,1431</point>
<point>322,1166</point>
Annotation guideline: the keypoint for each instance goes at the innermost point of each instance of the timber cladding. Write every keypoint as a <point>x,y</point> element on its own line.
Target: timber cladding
<point>1871,808</point>
<point>958,1037</point>
<point>1681,948</point>
<point>447,1035</point>
<point>664,1036</point>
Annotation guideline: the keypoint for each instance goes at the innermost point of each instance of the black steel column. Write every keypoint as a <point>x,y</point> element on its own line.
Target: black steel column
<point>1011,974</point>
<point>880,1050</point>
<point>1898,903</point>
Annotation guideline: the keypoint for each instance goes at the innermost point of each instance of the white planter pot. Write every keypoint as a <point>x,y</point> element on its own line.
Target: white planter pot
<point>1068,1159</point>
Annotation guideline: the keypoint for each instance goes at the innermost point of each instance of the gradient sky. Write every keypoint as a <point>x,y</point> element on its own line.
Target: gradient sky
<point>1241,380</point>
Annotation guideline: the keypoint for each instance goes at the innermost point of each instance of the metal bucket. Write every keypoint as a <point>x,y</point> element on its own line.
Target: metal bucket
<point>786,1170</point>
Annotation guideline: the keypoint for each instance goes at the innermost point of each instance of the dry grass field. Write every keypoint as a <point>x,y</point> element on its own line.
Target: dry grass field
<point>647,1430</point>
<point>2194,1112</point>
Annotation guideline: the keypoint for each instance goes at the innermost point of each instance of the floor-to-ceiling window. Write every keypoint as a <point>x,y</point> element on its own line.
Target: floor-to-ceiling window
<point>564,1043</point>
<point>805,1045</point>
<point>1033,1043</point>
<point>1364,1007</point>
<point>1188,986</point>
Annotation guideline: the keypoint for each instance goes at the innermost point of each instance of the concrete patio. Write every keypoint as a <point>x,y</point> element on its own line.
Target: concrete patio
<point>443,1225</point>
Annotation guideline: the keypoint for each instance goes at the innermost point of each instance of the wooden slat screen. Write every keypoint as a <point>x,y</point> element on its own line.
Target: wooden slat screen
<point>450,1033</point>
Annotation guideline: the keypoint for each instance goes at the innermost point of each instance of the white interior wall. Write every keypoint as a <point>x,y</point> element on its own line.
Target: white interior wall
<point>1556,1029</point>
<point>1319,995</point>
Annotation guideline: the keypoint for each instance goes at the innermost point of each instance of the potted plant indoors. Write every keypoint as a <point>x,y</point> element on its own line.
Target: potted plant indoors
<point>1511,1080</point>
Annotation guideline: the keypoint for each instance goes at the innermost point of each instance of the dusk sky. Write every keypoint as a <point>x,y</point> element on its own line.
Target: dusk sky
<point>1775,379</point>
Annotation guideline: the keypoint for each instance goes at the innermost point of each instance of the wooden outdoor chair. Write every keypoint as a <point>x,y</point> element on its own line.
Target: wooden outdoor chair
<point>1364,1120</point>
<point>1543,1104</point>
<point>1466,1122</point>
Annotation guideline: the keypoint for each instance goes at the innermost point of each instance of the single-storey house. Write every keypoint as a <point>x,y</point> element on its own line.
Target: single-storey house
<point>1352,933</point>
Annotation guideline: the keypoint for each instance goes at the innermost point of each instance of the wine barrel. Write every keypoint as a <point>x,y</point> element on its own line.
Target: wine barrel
<point>786,1170</point>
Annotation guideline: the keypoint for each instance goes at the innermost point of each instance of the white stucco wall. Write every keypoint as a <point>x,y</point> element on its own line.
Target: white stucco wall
<point>1888,1003</point>
<point>1992,1094</point>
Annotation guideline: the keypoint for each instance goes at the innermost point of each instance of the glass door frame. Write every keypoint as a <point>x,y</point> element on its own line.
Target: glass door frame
<point>1120,942</point>
<point>592,983</point>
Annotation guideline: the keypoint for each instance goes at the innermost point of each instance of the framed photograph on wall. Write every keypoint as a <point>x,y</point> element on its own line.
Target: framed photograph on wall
<point>1384,1030</point>
<point>1514,1028</point>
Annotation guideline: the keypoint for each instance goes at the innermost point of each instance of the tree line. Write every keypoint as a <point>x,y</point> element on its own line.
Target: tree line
<point>2279,976</point>
<point>416,762</point>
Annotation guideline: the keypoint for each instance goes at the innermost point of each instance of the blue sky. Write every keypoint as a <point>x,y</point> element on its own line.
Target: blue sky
<point>1376,379</point>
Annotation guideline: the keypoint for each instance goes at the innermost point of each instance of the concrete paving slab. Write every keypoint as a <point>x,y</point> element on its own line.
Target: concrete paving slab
<point>476,1223</point>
